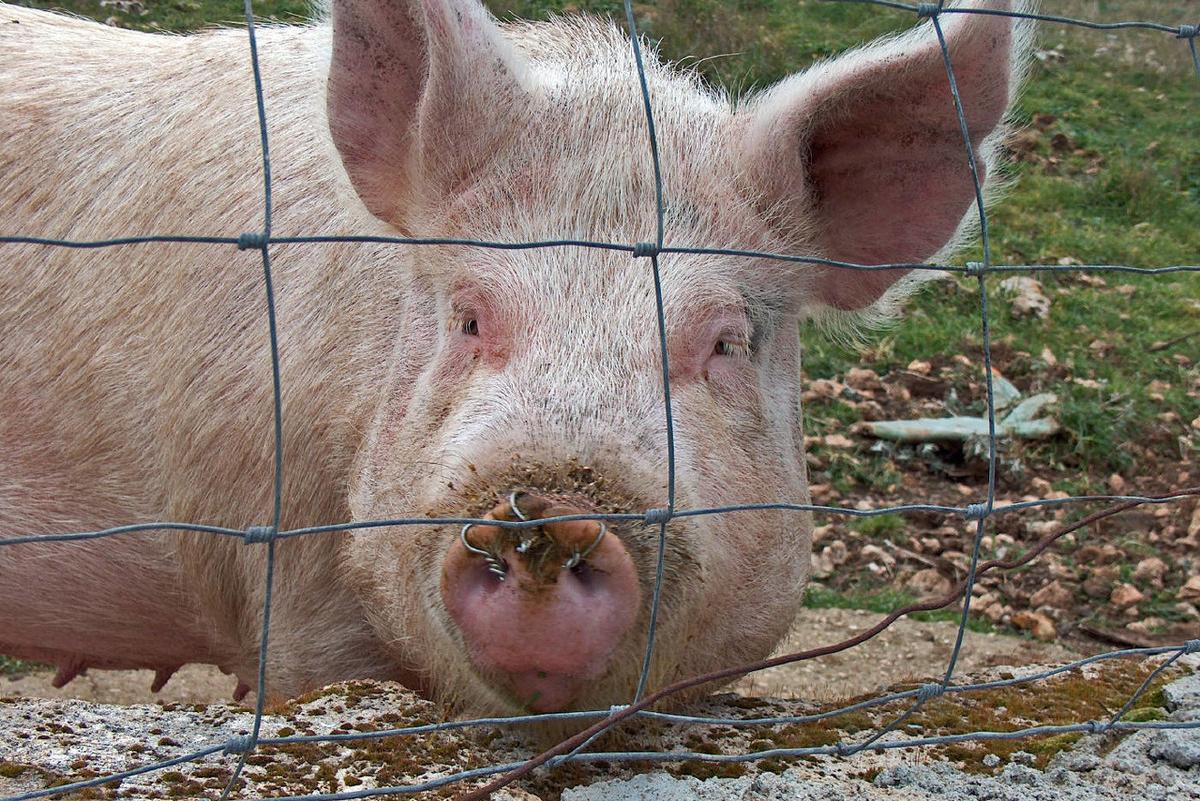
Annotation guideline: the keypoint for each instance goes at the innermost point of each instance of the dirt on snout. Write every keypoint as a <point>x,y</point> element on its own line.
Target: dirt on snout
<point>908,650</point>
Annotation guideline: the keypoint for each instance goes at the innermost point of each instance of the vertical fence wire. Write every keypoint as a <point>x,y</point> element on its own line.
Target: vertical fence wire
<point>652,252</point>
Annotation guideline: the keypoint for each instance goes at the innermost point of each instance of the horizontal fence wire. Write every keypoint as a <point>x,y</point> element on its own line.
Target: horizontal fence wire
<point>571,749</point>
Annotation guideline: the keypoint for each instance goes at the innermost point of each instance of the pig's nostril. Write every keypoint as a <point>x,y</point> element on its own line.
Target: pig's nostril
<point>583,572</point>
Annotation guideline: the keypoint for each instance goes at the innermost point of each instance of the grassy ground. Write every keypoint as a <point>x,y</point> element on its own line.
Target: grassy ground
<point>14,667</point>
<point>1105,170</point>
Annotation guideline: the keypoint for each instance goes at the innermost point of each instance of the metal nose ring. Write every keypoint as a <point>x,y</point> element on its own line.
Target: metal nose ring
<point>496,565</point>
<point>526,539</point>
<point>512,503</point>
<point>578,557</point>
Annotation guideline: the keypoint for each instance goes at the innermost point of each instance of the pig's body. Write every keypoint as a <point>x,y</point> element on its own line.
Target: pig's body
<point>135,383</point>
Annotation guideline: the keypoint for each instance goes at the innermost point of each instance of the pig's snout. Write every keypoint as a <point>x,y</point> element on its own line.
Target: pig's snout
<point>541,609</point>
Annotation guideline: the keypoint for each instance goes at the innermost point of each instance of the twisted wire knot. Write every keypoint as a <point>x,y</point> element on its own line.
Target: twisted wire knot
<point>1097,726</point>
<point>655,517</point>
<point>976,268</point>
<point>929,691</point>
<point>239,745</point>
<point>251,240</point>
<point>643,249</point>
<point>1187,31</point>
<point>1191,647</point>
<point>925,10</point>
<point>975,511</point>
<point>256,534</point>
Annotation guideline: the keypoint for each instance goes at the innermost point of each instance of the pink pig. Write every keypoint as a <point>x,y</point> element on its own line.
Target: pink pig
<point>439,380</point>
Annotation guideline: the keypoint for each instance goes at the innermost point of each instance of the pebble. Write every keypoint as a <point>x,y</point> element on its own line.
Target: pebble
<point>1125,595</point>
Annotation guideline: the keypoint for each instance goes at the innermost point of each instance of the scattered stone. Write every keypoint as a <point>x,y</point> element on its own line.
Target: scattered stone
<point>1191,590</point>
<point>838,552</point>
<point>1004,392</point>
<point>1126,595</point>
<point>1183,695</point>
<point>991,760</point>
<point>1053,594</point>
<point>1091,555</point>
<point>1097,586</point>
<point>822,565</point>
<point>1040,485</point>
<point>1180,748</point>
<point>1037,624</point>
<point>1027,297</point>
<point>1151,571</point>
<point>829,558</point>
<point>1146,625</point>
<point>1040,528</point>
<point>1116,484</point>
<point>877,554</point>
<point>863,379</point>
<point>929,583</point>
<point>824,388</point>
<point>1021,774</point>
<point>1022,758</point>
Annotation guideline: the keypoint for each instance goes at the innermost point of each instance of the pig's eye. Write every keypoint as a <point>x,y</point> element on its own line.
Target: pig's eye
<point>730,347</point>
<point>470,327</point>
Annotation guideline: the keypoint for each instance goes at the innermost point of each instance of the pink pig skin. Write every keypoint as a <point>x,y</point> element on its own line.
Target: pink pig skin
<point>135,384</point>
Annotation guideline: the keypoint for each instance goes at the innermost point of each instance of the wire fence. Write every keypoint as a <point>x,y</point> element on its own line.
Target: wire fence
<point>572,749</point>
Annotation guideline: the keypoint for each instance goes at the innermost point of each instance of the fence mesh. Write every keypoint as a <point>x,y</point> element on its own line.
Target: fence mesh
<point>573,748</point>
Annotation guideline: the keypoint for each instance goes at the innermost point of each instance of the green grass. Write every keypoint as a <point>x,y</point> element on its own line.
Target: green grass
<point>1126,190</point>
<point>16,667</point>
<point>883,527</point>
<point>883,600</point>
<point>177,15</point>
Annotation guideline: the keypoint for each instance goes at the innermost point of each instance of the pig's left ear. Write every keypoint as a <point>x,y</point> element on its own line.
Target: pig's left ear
<point>861,159</point>
<point>420,93</point>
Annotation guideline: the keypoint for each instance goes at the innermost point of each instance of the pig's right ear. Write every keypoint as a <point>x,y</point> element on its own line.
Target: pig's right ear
<point>861,159</point>
<point>418,95</point>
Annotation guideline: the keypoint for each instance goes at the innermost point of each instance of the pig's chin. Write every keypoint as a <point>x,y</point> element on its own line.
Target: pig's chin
<point>539,691</point>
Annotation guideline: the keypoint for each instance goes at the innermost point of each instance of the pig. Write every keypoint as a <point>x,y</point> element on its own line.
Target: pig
<point>440,381</point>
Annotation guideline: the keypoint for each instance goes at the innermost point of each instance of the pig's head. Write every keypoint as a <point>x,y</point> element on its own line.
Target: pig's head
<point>527,383</point>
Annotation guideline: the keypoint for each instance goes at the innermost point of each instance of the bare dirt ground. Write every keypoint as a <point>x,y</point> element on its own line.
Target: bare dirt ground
<point>909,650</point>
